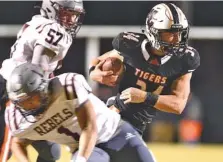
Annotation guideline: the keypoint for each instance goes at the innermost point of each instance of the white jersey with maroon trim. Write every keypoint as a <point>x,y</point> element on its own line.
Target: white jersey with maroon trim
<point>59,123</point>
<point>42,31</point>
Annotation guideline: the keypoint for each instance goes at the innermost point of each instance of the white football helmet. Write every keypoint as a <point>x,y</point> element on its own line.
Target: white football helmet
<point>166,17</point>
<point>68,13</point>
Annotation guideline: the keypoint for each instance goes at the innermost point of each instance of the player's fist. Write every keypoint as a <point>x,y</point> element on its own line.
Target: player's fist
<point>133,95</point>
<point>103,77</point>
<point>113,64</point>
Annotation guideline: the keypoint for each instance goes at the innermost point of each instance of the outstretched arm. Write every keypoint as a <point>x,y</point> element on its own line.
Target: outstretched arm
<point>86,117</point>
<point>87,121</point>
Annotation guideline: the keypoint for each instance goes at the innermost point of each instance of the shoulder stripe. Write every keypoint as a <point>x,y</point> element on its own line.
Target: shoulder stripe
<point>15,119</point>
<point>69,87</point>
<point>73,88</point>
<point>24,27</point>
<point>42,27</point>
<point>65,87</point>
<point>12,117</point>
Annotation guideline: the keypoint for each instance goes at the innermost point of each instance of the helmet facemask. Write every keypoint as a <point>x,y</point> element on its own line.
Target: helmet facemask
<point>68,13</point>
<point>28,89</point>
<point>33,103</point>
<point>71,19</point>
<point>168,46</point>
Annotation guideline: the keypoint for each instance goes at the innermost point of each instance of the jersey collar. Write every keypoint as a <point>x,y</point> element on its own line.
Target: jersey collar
<point>146,55</point>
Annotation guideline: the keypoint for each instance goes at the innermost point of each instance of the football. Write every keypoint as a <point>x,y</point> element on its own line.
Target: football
<point>114,64</point>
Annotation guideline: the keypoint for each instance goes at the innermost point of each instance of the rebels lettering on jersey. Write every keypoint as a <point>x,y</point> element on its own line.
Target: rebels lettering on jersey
<point>59,123</point>
<point>52,122</point>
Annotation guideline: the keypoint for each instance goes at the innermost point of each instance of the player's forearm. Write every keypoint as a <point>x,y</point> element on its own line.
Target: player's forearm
<point>42,57</point>
<point>87,141</point>
<point>41,60</point>
<point>92,65</point>
<point>112,53</point>
<point>94,62</point>
<point>20,152</point>
<point>170,104</point>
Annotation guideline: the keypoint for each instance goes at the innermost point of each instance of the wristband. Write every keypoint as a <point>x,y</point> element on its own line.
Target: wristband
<point>80,159</point>
<point>91,69</point>
<point>151,99</point>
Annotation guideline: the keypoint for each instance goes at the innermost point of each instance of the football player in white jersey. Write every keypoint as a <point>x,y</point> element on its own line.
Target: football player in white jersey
<point>64,110</point>
<point>44,41</point>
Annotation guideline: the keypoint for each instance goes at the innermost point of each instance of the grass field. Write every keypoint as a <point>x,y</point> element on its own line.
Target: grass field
<point>166,153</point>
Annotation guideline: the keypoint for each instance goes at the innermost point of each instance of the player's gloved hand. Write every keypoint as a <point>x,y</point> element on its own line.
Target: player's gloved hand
<point>133,95</point>
<point>103,77</point>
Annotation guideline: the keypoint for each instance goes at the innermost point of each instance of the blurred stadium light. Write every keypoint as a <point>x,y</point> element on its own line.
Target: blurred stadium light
<point>110,31</point>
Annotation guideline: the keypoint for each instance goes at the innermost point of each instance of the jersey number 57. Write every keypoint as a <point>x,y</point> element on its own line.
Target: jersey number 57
<point>53,37</point>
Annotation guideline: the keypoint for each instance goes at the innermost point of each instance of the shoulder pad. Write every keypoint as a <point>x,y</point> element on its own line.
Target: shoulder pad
<point>127,41</point>
<point>75,86</point>
<point>191,59</point>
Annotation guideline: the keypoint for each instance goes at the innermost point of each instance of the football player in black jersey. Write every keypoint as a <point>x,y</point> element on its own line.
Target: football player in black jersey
<point>158,67</point>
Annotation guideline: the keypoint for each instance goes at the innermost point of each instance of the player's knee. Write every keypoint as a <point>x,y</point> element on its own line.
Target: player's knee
<point>52,152</point>
<point>47,150</point>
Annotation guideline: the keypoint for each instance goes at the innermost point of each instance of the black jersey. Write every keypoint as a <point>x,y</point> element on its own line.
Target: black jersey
<point>149,72</point>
